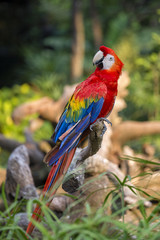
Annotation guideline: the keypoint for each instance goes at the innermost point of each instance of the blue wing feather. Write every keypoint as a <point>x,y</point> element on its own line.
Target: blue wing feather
<point>60,128</point>
<point>71,138</point>
<point>97,107</point>
<point>88,116</point>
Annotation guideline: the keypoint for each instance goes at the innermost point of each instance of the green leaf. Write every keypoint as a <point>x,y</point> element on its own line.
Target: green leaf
<point>4,196</point>
<point>140,160</point>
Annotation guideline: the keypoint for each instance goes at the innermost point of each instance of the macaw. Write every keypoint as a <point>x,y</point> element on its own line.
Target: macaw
<point>92,99</point>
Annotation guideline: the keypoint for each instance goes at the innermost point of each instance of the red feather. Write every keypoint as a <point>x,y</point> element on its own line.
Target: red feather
<point>66,160</point>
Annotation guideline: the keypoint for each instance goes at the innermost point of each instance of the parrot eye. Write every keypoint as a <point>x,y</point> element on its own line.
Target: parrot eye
<point>110,57</point>
<point>108,61</point>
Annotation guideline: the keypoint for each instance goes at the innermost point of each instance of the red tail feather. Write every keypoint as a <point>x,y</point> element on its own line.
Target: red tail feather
<point>61,167</point>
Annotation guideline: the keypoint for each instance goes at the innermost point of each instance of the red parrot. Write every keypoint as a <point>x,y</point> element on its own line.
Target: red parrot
<point>92,99</point>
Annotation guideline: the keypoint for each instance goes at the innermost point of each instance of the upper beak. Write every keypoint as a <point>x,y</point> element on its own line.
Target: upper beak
<point>98,58</point>
<point>97,63</point>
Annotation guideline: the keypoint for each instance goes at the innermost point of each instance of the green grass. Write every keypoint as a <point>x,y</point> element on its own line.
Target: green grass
<point>93,225</point>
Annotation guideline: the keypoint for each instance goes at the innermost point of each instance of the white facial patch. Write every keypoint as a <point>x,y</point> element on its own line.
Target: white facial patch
<point>108,61</point>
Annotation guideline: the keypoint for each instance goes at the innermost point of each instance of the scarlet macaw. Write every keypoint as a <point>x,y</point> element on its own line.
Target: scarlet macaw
<point>92,99</point>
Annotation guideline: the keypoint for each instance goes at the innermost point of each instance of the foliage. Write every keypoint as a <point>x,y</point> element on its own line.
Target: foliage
<point>8,222</point>
<point>94,224</point>
<point>145,85</point>
<point>144,68</point>
<point>8,101</point>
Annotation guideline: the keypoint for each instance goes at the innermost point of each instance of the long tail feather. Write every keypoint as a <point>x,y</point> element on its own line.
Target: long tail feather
<point>57,171</point>
<point>60,156</point>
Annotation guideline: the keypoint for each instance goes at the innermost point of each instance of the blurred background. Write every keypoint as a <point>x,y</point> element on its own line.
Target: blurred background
<point>47,44</point>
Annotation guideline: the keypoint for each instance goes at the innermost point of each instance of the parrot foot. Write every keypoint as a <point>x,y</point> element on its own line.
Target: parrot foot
<point>99,120</point>
<point>104,130</point>
<point>105,120</point>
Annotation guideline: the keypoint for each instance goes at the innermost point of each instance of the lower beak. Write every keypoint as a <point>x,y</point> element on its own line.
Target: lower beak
<point>99,63</point>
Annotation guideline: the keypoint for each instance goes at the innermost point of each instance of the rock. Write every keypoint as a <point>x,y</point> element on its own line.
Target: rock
<point>19,173</point>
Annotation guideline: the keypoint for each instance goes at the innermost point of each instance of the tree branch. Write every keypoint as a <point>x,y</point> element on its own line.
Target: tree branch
<point>46,107</point>
<point>35,155</point>
<point>95,138</point>
<point>130,130</point>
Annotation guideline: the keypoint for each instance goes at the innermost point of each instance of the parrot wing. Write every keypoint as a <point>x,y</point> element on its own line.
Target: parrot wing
<point>81,111</point>
<point>87,98</point>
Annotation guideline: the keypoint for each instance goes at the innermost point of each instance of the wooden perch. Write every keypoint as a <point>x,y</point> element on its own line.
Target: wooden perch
<point>94,144</point>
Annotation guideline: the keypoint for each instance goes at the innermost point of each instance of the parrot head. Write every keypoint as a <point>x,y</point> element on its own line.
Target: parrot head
<point>106,59</point>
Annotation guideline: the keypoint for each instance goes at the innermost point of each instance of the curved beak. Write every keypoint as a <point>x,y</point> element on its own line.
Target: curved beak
<point>98,58</point>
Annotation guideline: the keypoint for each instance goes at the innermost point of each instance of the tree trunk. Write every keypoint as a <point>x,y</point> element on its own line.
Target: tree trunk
<point>78,43</point>
<point>96,25</point>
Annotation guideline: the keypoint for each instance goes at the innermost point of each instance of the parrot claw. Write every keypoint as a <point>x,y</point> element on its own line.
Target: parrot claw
<point>105,120</point>
<point>98,120</point>
<point>104,130</point>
